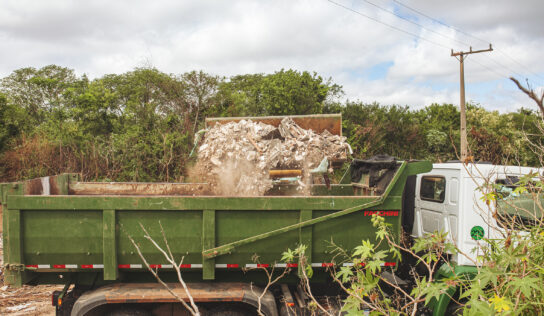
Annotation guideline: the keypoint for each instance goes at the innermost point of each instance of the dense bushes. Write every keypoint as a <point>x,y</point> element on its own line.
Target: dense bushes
<point>139,126</point>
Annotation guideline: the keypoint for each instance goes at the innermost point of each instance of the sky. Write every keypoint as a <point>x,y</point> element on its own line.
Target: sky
<point>386,51</point>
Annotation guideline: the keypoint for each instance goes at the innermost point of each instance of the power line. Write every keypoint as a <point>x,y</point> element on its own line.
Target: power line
<point>403,31</point>
<point>438,21</point>
<point>520,64</point>
<point>444,36</point>
<point>420,37</point>
<point>415,23</point>
<point>501,75</point>
<point>474,37</point>
<point>388,25</point>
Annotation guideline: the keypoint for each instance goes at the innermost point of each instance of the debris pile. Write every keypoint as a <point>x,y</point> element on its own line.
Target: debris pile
<point>235,158</point>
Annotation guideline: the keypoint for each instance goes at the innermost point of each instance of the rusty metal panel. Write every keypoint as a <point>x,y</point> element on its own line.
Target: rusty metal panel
<point>138,188</point>
<point>318,123</point>
<point>53,185</point>
<point>120,293</point>
<point>155,293</point>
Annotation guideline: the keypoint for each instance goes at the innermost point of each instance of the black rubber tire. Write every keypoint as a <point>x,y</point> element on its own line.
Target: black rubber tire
<point>229,311</point>
<point>455,308</point>
<point>128,311</point>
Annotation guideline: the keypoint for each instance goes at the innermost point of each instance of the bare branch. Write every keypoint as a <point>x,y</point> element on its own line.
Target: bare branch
<point>270,282</point>
<point>155,274</point>
<point>531,94</point>
<point>170,259</point>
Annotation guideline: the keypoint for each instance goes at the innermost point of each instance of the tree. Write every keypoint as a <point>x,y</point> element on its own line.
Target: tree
<point>439,123</point>
<point>12,122</point>
<point>286,92</point>
<point>38,91</point>
<point>201,89</point>
<point>239,96</point>
<point>289,92</point>
<point>374,129</point>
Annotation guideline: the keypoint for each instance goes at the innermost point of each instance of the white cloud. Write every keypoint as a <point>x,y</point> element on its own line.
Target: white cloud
<point>236,37</point>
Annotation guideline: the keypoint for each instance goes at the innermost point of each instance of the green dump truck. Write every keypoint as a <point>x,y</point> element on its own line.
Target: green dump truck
<point>59,230</point>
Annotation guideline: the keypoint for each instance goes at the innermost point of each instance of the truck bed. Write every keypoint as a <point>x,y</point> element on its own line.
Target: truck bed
<point>60,228</point>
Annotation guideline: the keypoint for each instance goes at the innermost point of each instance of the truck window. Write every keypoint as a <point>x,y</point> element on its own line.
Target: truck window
<point>433,189</point>
<point>505,187</point>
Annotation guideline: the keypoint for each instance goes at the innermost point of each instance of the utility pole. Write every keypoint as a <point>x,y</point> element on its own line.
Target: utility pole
<point>464,151</point>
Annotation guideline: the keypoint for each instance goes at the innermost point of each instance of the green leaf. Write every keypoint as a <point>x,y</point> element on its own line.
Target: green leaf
<point>344,274</point>
<point>364,250</point>
<point>288,256</point>
<point>309,271</point>
<point>374,265</point>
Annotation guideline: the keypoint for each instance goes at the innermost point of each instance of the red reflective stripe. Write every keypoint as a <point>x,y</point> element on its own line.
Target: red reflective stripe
<point>390,264</point>
<point>327,265</point>
<point>32,266</point>
<point>234,265</point>
<point>86,266</point>
<point>123,266</point>
<point>155,266</point>
<point>59,266</point>
<point>262,265</point>
<point>292,265</point>
<point>185,266</point>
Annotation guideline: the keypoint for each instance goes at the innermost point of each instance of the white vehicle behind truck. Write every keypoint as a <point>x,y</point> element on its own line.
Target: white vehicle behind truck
<point>449,199</point>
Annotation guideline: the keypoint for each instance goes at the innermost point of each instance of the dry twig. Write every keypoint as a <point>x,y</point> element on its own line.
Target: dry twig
<point>193,309</point>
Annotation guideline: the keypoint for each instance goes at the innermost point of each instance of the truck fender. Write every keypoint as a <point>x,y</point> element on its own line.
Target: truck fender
<point>439,307</point>
<point>131,293</point>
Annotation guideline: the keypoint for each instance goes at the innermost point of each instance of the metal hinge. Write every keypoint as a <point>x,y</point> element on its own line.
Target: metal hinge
<point>14,267</point>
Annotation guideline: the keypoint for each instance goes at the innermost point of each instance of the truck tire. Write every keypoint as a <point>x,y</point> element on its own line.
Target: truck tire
<point>128,311</point>
<point>230,311</point>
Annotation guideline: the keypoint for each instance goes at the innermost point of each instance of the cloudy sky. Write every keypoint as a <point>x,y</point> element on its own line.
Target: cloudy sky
<point>389,51</point>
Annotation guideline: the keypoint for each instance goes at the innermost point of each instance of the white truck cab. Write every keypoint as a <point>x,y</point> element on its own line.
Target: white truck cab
<point>448,199</point>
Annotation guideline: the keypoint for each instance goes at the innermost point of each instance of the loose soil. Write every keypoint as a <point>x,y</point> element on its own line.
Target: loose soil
<point>27,300</point>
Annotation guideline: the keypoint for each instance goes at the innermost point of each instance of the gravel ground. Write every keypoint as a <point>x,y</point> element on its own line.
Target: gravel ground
<point>28,300</point>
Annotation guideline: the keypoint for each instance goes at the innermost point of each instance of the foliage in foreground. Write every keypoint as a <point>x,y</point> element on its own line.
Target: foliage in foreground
<point>508,281</point>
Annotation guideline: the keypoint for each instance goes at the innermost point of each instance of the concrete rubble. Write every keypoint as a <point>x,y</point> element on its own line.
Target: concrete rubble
<point>235,158</point>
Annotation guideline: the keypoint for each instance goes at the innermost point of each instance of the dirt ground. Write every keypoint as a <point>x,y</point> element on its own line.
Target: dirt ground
<point>28,300</point>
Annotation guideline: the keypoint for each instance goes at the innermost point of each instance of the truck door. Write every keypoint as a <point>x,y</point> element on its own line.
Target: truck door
<point>437,203</point>
<point>430,206</point>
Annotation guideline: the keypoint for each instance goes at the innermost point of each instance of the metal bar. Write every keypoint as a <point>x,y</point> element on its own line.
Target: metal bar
<point>208,241</point>
<point>285,173</point>
<point>138,188</point>
<point>395,179</point>
<point>227,248</point>
<point>166,203</point>
<point>109,245</point>
<point>305,236</point>
<point>14,247</point>
<point>472,51</point>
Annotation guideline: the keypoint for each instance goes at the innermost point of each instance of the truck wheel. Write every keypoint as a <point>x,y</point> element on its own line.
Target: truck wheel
<point>128,311</point>
<point>456,305</point>
<point>230,311</point>
<point>454,309</point>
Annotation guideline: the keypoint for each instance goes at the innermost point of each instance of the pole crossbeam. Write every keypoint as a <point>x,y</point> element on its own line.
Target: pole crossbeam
<point>461,54</point>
